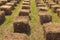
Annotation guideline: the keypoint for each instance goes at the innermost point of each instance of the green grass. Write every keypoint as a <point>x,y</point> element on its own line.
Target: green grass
<point>55,18</point>
<point>36,28</point>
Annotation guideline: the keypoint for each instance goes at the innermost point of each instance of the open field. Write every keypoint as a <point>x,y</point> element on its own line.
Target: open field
<point>30,19</point>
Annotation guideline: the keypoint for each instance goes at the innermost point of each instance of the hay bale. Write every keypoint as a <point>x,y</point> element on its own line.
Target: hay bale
<point>25,6</point>
<point>58,12</point>
<point>41,5</point>
<point>21,24</point>
<point>46,1</point>
<point>52,31</point>
<point>55,7</point>
<point>26,3</point>
<point>37,1</point>
<point>15,36</point>
<point>59,2</point>
<point>18,1</point>
<point>4,1</point>
<point>45,17</point>
<point>1,3</point>
<point>56,1</point>
<point>26,0</point>
<point>51,4</point>
<point>7,9</point>
<point>2,17</point>
<point>15,2</point>
<point>24,12</point>
<point>11,4</point>
<point>43,9</point>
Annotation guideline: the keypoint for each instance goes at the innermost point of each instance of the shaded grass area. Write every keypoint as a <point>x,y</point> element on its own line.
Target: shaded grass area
<point>36,28</point>
<point>7,25</point>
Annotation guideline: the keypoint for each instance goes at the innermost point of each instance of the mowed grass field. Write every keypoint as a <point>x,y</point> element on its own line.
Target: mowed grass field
<point>37,32</point>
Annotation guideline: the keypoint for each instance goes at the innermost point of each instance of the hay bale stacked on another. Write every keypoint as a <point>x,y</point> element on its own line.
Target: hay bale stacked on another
<point>15,36</point>
<point>45,17</point>
<point>24,12</point>
<point>21,24</point>
<point>7,9</point>
<point>2,16</point>
<point>25,6</point>
<point>52,31</point>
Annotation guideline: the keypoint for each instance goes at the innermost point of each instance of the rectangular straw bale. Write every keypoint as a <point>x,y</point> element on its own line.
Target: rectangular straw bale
<point>11,4</point>
<point>55,7</point>
<point>2,16</point>
<point>56,1</point>
<point>15,2</point>
<point>37,1</point>
<point>43,9</point>
<point>1,3</point>
<point>52,31</point>
<point>58,12</point>
<point>6,8</point>
<point>45,17</point>
<point>24,12</point>
<point>21,24</point>
<point>15,36</point>
<point>26,3</point>
<point>18,1</point>
<point>25,6</point>
<point>26,0</point>
<point>41,5</point>
<point>51,4</point>
<point>4,1</point>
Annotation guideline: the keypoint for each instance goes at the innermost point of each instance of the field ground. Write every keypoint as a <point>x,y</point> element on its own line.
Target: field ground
<point>37,32</point>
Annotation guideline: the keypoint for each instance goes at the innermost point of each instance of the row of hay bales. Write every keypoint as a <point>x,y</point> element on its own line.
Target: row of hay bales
<point>54,6</point>
<point>21,23</point>
<point>19,26</point>
<point>6,9</point>
<point>44,13</point>
<point>56,1</point>
<point>51,29</point>
<point>3,2</point>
